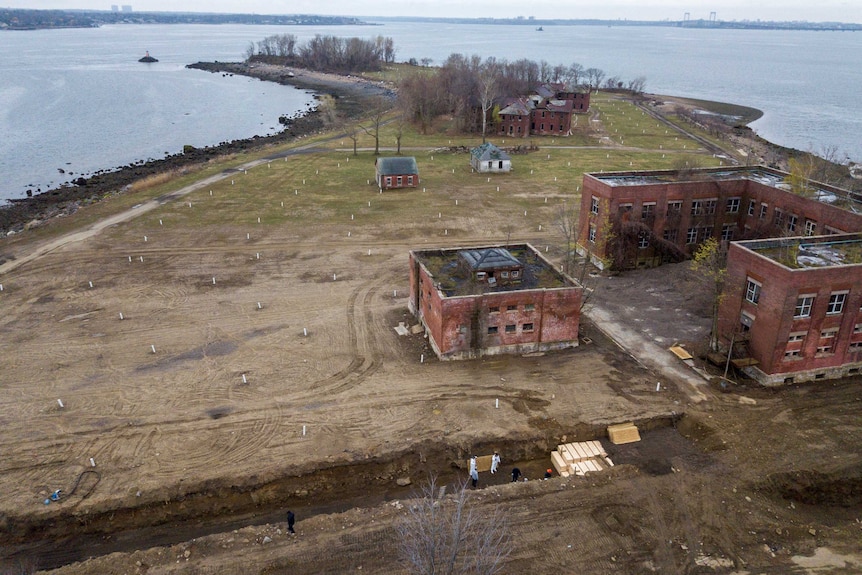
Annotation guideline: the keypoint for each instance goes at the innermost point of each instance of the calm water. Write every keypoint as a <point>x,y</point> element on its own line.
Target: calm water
<point>78,100</point>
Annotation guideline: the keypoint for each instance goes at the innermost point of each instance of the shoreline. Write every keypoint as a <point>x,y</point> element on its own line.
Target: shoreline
<point>20,214</point>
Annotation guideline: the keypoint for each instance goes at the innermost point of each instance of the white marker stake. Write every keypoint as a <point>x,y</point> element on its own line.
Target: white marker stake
<point>91,285</point>
<point>282,204</point>
<point>1,287</point>
<point>231,182</point>
<point>303,431</point>
<point>422,358</point>
<point>658,386</point>
<point>334,277</point>
<point>142,259</point>
<point>351,217</point>
<point>211,192</point>
<point>369,252</point>
<point>244,380</point>
<point>304,332</point>
<point>145,238</point>
<point>369,203</point>
<point>213,280</point>
<point>121,315</point>
<point>248,236</point>
<point>130,259</point>
<point>498,188</point>
<point>497,404</point>
<point>257,256</point>
<point>60,402</point>
<point>92,462</point>
<point>446,232</point>
<point>160,222</point>
<point>152,347</point>
<point>525,213</point>
<point>190,204</point>
<point>395,293</point>
<point>258,220</point>
<point>348,234</point>
<point>258,305</point>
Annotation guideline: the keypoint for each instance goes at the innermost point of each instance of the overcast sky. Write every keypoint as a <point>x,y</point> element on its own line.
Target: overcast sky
<point>784,10</point>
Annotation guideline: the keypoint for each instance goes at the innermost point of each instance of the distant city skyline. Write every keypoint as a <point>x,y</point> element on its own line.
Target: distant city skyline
<point>777,10</point>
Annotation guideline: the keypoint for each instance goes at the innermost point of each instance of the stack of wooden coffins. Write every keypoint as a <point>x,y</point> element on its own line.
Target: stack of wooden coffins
<point>580,458</point>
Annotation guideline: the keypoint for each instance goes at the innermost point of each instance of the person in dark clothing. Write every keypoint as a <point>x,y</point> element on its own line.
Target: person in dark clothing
<point>549,473</point>
<point>291,519</point>
<point>516,473</point>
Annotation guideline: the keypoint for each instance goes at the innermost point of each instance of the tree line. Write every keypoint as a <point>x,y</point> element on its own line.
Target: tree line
<point>462,85</point>
<point>324,53</point>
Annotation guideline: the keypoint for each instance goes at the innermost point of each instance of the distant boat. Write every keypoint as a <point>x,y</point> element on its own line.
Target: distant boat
<point>540,29</point>
<point>148,58</point>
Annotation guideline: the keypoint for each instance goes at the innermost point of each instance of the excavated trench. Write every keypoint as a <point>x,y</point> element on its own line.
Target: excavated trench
<point>75,534</point>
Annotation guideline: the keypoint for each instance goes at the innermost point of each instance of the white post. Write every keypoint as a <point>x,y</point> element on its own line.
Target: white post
<point>130,259</point>
<point>351,217</point>
<point>258,219</point>
<point>658,386</point>
<point>91,285</point>
<point>446,232</point>
<point>525,213</point>
<point>121,315</point>
<point>211,192</point>
<point>244,380</point>
<point>303,431</point>
<point>60,402</point>
<point>231,182</point>
<point>160,222</point>
<point>282,204</point>
<point>258,305</point>
<point>152,347</point>
<point>190,204</point>
<point>497,404</point>
<point>334,277</point>
<point>304,332</point>
<point>369,203</point>
<point>92,462</point>
<point>257,256</point>
<point>142,259</point>
<point>145,238</point>
<point>248,236</point>
<point>1,287</point>
<point>422,358</point>
<point>213,280</point>
<point>395,293</point>
<point>348,234</point>
<point>369,252</point>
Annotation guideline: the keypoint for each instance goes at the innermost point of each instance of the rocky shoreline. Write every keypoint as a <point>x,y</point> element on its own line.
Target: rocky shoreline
<point>20,214</point>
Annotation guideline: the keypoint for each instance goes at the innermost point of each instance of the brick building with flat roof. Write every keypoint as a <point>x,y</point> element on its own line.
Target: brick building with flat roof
<point>645,218</point>
<point>493,299</point>
<point>793,307</point>
<point>793,288</point>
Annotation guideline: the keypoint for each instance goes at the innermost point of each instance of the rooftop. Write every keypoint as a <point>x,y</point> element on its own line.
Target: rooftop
<point>765,176</point>
<point>810,252</point>
<point>394,165</point>
<point>453,280</point>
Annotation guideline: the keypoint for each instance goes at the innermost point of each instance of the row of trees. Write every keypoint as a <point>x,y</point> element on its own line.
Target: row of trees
<point>464,84</point>
<point>324,53</point>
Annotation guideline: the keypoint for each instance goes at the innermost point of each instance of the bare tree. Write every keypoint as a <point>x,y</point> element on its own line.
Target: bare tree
<point>375,121</point>
<point>450,535</point>
<point>594,78</point>
<point>488,91</point>
<point>566,220</point>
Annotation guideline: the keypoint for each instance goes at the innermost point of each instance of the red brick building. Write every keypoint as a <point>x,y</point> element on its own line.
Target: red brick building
<point>792,307</point>
<point>632,219</point>
<point>547,112</point>
<point>491,300</point>
<point>396,172</point>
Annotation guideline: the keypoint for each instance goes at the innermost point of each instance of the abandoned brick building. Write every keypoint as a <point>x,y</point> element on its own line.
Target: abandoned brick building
<point>789,314</point>
<point>396,172</point>
<point>635,219</point>
<point>548,111</point>
<point>492,299</point>
<point>792,309</point>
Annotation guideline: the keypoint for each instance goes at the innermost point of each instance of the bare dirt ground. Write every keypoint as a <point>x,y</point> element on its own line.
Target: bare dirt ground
<point>185,459</point>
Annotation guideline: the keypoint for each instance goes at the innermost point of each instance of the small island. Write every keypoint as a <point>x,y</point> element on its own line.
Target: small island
<point>147,58</point>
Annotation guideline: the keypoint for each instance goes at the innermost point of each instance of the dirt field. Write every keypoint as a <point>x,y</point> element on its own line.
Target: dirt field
<point>256,369</point>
